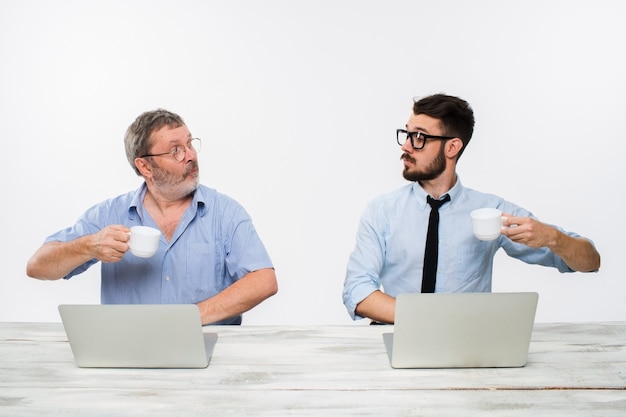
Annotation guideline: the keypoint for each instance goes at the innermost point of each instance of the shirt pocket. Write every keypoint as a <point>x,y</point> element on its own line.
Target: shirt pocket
<point>205,271</point>
<point>473,267</point>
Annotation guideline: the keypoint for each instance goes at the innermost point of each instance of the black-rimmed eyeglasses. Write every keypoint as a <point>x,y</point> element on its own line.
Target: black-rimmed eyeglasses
<point>418,139</point>
<point>179,152</point>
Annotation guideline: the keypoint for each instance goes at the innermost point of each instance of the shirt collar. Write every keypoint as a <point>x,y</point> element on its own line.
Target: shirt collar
<point>136,208</point>
<point>421,194</point>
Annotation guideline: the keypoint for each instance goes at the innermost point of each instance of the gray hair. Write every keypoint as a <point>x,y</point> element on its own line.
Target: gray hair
<point>137,138</point>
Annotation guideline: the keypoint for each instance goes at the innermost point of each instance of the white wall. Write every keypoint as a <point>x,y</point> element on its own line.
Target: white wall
<point>297,103</point>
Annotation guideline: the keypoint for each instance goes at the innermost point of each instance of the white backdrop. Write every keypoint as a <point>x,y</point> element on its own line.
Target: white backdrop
<point>297,103</point>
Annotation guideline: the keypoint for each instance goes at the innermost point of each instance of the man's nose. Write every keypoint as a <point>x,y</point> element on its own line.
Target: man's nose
<point>190,153</point>
<point>407,147</point>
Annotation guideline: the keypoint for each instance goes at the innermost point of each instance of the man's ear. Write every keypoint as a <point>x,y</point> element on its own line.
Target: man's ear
<point>453,147</point>
<point>144,168</point>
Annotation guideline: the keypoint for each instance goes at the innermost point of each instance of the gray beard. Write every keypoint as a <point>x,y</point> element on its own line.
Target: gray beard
<point>172,186</point>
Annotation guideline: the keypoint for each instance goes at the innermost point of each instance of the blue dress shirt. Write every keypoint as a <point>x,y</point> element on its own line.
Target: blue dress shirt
<point>214,245</point>
<point>389,252</point>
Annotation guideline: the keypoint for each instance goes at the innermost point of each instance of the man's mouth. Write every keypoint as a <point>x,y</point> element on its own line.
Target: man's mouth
<point>407,157</point>
<point>191,169</point>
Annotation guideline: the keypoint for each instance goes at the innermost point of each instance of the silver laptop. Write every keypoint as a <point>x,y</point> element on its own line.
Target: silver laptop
<point>137,336</point>
<point>461,330</point>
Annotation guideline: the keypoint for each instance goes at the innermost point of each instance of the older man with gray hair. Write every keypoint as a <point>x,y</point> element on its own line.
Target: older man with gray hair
<point>209,253</point>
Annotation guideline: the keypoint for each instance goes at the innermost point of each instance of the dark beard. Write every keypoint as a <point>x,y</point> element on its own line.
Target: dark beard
<point>434,170</point>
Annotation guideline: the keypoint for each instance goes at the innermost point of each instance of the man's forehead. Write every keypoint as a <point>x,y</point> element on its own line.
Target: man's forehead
<point>171,133</point>
<point>425,123</point>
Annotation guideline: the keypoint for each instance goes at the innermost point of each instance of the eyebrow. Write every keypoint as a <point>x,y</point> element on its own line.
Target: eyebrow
<point>419,129</point>
<point>175,141</point>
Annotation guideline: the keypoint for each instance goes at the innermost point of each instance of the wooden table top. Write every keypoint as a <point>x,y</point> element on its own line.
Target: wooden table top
<point>574,369</point>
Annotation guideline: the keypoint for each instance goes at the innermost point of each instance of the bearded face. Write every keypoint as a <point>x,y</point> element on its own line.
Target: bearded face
<point>433,170</point>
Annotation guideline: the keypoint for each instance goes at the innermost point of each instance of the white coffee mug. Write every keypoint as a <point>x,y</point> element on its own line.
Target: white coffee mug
<point>487,223</point>
<point>144,241</point>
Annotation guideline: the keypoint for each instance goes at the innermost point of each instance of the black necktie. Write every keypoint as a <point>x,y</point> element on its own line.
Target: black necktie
<point>432,244</point>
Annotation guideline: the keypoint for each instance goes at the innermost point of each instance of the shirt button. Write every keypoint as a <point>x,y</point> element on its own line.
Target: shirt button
<point>167,278</point>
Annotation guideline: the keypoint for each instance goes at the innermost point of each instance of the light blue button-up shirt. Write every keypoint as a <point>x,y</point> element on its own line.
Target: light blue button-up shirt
<point>389,252</point>
<point>213,246</point>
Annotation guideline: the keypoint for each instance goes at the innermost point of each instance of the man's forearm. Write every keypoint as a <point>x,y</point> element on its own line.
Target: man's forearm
<point>378,306</point>
<point>54,260</point>
<point>240,297</point>
<point>578,253</point>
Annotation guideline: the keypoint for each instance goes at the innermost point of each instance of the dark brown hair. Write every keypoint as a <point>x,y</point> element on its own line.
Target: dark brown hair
<point>455,114</point>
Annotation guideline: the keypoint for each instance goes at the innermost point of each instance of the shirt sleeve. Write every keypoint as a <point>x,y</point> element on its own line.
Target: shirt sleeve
<point>88,223</point>
<point>534,256</point>
<point>244,250</point>
<point>366,261</point>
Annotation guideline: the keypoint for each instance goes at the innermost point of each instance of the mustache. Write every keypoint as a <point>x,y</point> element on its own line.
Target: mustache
<point>407,157</point>
<point>191,166</point>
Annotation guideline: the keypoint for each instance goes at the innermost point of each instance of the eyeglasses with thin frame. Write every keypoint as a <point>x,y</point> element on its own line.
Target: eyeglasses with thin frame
<point>179,152</point>
<point>418,139</point>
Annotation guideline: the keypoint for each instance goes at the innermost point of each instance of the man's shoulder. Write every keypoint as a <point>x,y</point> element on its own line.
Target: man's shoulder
<point>219,204</point>
<point>394,195</point>
<point>391,201</point>
<point>480,197</point>
<point>210,195</point>
<point>119,201</point>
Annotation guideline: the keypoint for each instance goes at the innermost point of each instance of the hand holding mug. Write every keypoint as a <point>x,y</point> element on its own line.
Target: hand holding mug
<point>109,244</point>
<point>530,232</point>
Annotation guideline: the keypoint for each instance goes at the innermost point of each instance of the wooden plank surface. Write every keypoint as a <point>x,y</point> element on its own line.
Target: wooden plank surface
<point>573,369</point>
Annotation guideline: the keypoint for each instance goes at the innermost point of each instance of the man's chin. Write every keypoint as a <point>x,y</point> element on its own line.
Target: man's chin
<point>410,176</point>
<point>185,190</point>
<point>194,186</point>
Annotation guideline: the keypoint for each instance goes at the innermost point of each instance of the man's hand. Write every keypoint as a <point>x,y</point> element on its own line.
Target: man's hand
<point>577,252</point>
<point>110,244</point>
<point>529,231</point>
<point>54,260</point>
